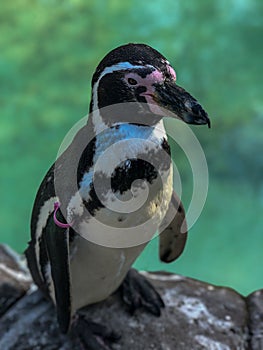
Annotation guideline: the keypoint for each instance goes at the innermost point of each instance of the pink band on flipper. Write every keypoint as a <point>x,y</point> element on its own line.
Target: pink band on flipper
<point>56,221</point>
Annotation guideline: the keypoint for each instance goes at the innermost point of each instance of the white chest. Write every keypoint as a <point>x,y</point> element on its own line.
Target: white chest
<point>112,238</point>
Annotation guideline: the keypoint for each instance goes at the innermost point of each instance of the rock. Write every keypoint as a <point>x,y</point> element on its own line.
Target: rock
<point>14,278</point>
<point>197,316</point>
<point>255,308</point>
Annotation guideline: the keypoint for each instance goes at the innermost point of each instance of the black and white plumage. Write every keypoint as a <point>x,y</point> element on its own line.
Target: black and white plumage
<point>75,271</point>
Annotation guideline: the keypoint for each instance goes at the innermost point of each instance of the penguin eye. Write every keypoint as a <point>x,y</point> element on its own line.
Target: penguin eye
<point>132,81</point>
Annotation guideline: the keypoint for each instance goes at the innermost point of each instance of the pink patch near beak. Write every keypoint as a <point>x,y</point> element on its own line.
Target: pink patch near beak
<point>172,72</point>
<point>154,108</point>
<point>153,78</point>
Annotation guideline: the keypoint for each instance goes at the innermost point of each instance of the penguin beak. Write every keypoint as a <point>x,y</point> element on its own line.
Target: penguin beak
<point>171,97</point>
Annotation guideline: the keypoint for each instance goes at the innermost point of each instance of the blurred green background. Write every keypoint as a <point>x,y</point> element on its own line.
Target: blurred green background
<point>48,52</point>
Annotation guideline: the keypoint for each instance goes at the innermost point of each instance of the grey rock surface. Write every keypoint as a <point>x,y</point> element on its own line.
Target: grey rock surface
<point>14,278</point>
<point>255,307</point>
<point>197,316</point>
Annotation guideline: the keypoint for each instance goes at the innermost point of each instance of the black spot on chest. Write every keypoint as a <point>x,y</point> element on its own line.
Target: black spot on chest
<point>145,167</point>
<point>129,171</point>
<point>94,202</point>
<point>120,181</point>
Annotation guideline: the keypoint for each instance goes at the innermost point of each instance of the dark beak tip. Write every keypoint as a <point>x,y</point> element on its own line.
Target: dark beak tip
<point>199,115</point>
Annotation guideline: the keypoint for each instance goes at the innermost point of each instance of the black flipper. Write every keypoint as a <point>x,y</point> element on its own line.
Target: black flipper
<point>32,264</point>
<point>56,239</point>
<point>137,292</point>
<point>173,231</point>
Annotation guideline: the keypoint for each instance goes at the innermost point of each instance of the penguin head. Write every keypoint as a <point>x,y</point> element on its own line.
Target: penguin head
<point>138,73</point>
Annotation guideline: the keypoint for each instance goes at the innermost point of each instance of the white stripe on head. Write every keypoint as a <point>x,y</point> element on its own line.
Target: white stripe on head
<point>98,123</point>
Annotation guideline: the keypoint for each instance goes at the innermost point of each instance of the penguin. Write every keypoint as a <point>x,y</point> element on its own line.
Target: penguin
<point>89,222</point>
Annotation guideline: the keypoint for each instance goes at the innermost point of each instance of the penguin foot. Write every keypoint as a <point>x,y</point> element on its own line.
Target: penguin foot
<point>93,336</point>
<point>137,292</point>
